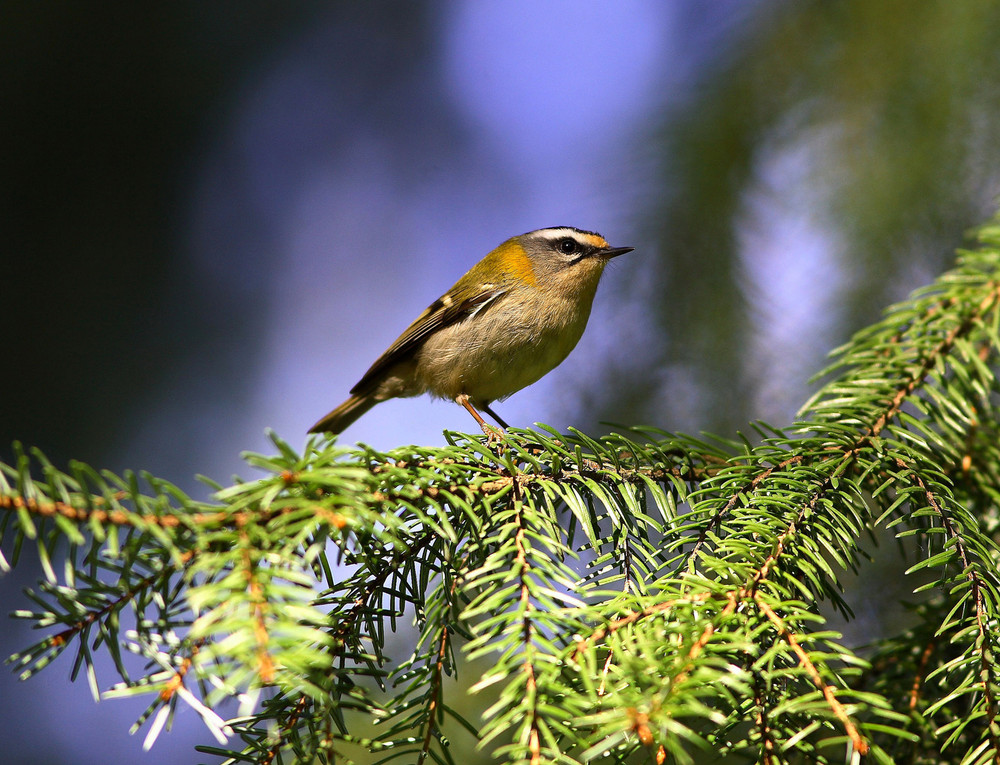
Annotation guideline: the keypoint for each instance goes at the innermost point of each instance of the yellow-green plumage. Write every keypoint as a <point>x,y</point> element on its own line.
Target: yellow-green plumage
<point>508,321</point>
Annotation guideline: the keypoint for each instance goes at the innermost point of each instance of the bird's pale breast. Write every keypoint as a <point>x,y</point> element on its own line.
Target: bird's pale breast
<point>504,349</point>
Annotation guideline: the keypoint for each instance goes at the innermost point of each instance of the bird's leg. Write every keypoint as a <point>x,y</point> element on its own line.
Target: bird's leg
<point>489,430</point>
<point>496,417</point>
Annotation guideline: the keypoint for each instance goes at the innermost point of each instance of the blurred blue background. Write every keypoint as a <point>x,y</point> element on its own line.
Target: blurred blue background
<point>214,216</point>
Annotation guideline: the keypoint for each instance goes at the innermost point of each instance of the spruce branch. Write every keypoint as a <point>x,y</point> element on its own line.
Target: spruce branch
<point>643,594</point>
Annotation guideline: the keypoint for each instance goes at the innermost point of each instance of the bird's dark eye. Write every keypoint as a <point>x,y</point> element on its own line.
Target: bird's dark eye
<point>568,246</point>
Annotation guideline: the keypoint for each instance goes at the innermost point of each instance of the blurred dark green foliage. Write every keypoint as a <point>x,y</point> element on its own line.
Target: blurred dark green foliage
<point>894,108</point>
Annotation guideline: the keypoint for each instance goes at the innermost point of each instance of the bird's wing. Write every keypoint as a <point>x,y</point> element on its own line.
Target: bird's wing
<point>441,313</point>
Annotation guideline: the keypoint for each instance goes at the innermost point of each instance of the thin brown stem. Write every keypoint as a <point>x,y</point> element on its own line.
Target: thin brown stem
<point>828,691</point>
<point>986,636</point>
<point>432,707</point>
<point>527,631</point>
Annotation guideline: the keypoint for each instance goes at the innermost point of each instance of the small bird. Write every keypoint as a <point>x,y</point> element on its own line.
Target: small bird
<point>509,321</point>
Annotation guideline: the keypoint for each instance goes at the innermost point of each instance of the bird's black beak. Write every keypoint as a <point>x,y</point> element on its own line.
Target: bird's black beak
<point>614,252</point>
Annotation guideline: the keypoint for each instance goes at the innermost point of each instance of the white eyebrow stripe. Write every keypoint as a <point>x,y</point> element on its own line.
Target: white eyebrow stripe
<point>561,233</point>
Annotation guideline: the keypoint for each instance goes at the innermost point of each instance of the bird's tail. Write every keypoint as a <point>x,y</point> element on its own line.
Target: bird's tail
<point>337,420</point>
